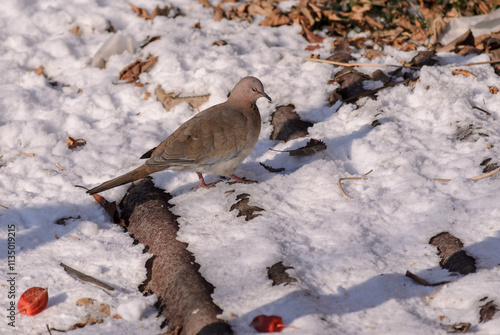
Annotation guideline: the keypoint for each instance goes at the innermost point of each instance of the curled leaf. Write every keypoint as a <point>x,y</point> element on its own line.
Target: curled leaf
<point>72,143</point>
<point>312,147</point>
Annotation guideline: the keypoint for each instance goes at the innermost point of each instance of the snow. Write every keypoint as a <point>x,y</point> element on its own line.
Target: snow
<point>348,255</point>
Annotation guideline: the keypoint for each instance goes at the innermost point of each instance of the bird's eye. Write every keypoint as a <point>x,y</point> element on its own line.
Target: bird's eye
<point>254,89</point>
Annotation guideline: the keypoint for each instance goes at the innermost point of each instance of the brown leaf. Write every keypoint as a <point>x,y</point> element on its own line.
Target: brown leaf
<point>72,143</point>
<point>170,100</point>
<point>219,43</point>
<point>493,89</point>
<point>206,4</point>
<point>452,256</point>
<point>244,208</point>
<point>90,321</point>
<point>371,54</point>
<point>275,19</point>
<point>277,273</point>
<point>147,95</point>
<point>38,71</point>
<point>141,12</point>
<point>110,207</point>
<point>487,311</point>
<point>132,71</point>
<point>460,328</point>
<point>313,47</point>
<point>76,31</point>
<point>85,301</point>
<point>463,72</point>
<point>150,40</point>
<point>310,36</point>
<point>161,11</point>
<point>104,308</point>
<point>271,169</point>
<point>287,124</point>
<point>312,147</point>
<point>197,25</point>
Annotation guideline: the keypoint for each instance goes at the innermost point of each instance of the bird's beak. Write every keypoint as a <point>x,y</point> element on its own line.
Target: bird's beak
<point>265,96</point>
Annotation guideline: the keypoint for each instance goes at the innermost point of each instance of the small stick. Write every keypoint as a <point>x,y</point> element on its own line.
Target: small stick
<point>482,110</point>
<point>4,206</point>
<point>26,154</point>
<point>48,329</point>
<point>86,278</point>
<point>59,166</point>
<point>361,64</point>
<point>480,63</point>
<point>472,178</point>
<point>424,282</point>
<point>348,178</point>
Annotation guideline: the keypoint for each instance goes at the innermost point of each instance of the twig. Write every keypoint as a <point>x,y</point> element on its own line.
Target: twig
<point>86,278</point>
<point>482,110</point>
<point>422,281</point>
<point>48,329</point>
<point>59,166</point>
<point>4,206</point>
<point>361,64</point>
<point>26,154</point>
<point>480,63</point>
<point>348,178</point>
<point>472,178</point>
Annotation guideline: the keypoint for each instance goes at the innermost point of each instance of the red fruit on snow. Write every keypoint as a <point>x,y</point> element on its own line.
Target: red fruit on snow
<point>268,324</point>
<point>33,301</point>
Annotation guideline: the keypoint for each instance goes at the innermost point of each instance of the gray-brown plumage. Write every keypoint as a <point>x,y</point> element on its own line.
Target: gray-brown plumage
<point>214,141</point>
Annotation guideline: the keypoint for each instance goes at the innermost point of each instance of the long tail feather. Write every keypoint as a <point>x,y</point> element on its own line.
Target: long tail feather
<point>141,171</point>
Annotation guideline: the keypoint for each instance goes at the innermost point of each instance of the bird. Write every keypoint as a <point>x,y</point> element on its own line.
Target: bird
<point>214,141</point>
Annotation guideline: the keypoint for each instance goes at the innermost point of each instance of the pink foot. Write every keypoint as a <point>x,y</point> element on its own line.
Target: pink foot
<point>240,180</point>
<point>202,182</point>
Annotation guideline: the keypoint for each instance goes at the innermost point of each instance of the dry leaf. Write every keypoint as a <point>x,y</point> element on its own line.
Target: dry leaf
<point>38,71</point>
<point>141,12</point>
<point>110,207</point>
<point>275,19</point>
<point>147,95</point>
<point>72,143</point>
<point>277,273</point>
<point>487,311</point>
<point>170,100</point>
<point>244,208</point>
<point>220,43</point>
<point>150,40</point>
<point>493,89</point>
<point>313,47</point>
<point>312,147</point>
<point>310,36</point>
<point>132,71</point>
<point>76,31</point>
<point>271,169</point>
<point>462,72</point>
<point>85,301</point>
<point>287,124</point>
<point>104,308</point>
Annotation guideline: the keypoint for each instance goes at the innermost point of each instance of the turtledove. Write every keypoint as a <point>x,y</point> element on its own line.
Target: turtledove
<point>214,141</point>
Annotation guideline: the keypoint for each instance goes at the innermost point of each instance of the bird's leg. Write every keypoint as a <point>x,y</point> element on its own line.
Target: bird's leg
<point>240,180</point>
<point>202,182</point>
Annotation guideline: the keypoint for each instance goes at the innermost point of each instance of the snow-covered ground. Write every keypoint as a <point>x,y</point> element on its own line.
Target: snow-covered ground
<point>349,255</point>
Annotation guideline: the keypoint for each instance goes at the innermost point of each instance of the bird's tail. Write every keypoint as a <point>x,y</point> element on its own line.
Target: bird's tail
<point>141,171</point>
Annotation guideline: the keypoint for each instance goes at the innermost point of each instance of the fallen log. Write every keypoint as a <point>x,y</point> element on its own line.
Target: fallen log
<point>184,295</point>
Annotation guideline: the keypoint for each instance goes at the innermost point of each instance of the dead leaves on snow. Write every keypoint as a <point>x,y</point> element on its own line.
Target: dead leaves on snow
<point>132,71</point>
<point>170,100</point>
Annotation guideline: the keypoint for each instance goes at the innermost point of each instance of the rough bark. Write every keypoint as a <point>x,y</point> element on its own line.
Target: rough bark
<point>184,295</point>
